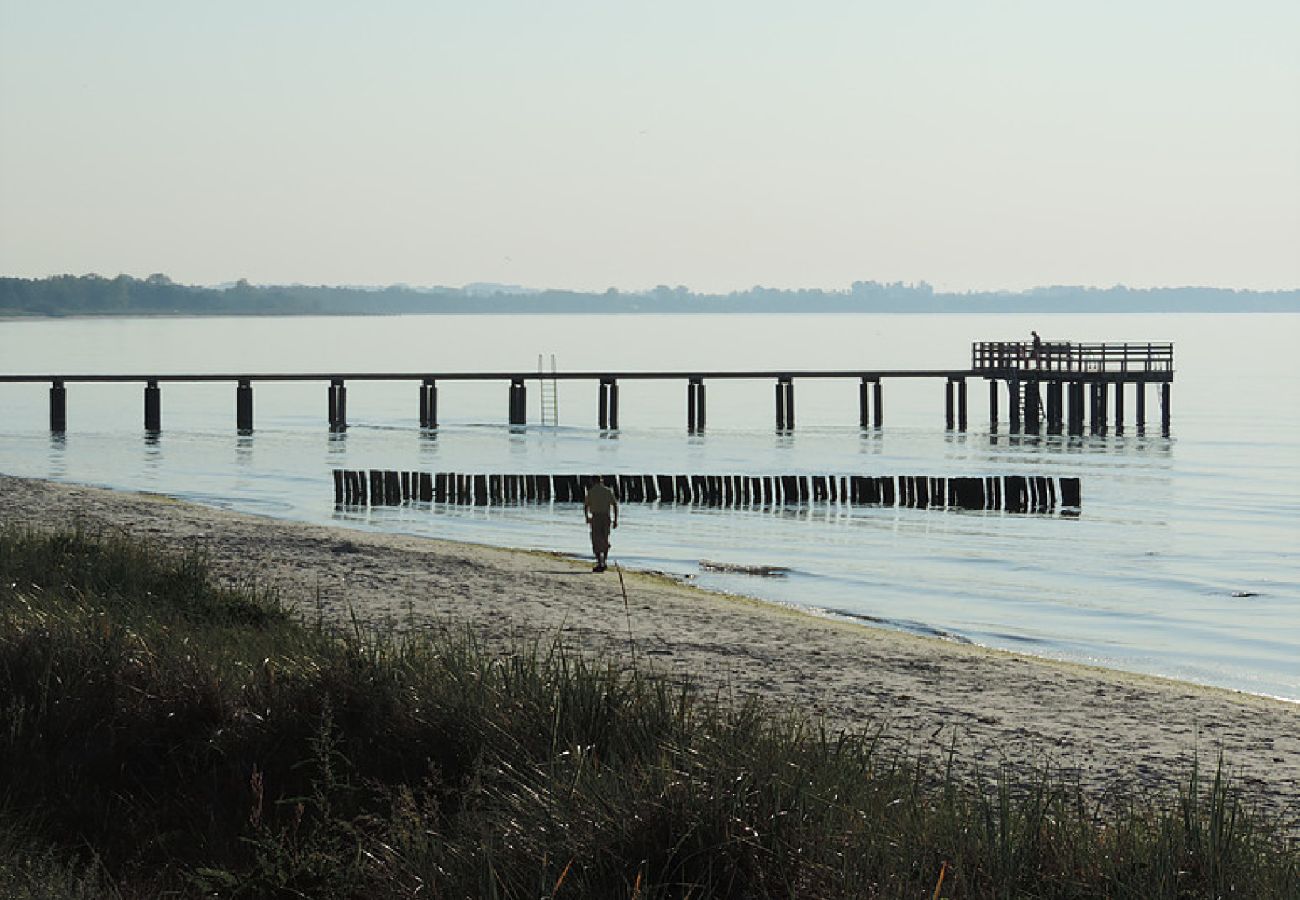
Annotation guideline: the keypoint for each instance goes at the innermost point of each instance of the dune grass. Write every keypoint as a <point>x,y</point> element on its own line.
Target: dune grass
<point>163,733</point>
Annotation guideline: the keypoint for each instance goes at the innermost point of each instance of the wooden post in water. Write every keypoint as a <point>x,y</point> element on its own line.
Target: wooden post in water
<point>152,407</point>
<point>58,408</point>
<point>1013,402</point>
<point>1033,406</point>
<point>613,404</point>
<point>864,404</point>
<point>244,406</point>
<point>948,418</point>
<point>1164,408</point>
<point>518,402</point>
<point>877,406</point>
<point>961,404</point>
<point>784,404</point>
<point>1119,407</point>
<point>338,405</point>
<point>993,404</point>
<point>428,403</point>
<point>695,405</point>
<point>1141,413</point>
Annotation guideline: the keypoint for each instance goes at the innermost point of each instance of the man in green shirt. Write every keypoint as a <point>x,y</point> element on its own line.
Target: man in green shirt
<point>601,510</point>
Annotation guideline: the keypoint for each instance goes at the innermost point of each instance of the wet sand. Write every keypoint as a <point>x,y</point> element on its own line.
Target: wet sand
<point>1121,732</point>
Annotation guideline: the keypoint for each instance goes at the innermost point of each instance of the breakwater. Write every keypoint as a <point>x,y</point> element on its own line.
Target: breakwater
<point>1010,493</point>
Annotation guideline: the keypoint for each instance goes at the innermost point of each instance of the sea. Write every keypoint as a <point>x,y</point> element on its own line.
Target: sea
<point>1184,559</point>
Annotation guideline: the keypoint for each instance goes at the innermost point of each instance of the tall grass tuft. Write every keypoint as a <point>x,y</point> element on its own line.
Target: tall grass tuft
<point>163,733</point>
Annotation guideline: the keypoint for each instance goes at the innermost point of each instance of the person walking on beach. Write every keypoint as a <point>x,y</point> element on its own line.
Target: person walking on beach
<point>600,507</point>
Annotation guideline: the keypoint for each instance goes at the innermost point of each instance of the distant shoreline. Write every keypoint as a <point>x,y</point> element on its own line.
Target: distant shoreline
<point>158,295</point>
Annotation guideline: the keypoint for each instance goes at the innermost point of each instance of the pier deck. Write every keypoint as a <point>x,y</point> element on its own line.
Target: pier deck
<point>1067,371</point>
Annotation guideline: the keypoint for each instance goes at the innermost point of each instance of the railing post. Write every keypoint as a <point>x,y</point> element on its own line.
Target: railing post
<point>58,408</point>
<point>152,406</point>
<point>244,406</point>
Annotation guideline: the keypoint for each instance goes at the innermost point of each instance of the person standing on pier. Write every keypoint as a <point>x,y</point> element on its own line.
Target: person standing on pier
<point>600,507</point>
<point>1036,351</point>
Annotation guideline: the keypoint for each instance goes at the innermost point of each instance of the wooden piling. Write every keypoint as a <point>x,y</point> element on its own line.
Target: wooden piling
<point>961,404</point>
<point>780,406</point>
<point>152,407</point>
<point>518,402</point>
<point>480,490</point>
<point>877,406</point>
<point>1013,403</point>
<point>338,404</point>
<point>1070,492</point>
<point>1033,406</point>
<point>864,404</point>
<point>58,407</point>
<point>993,404</point>
<point>426,487</point>
<point>949,419</point>
<point>338,487</point>
<point>1141,412</point>
<point>1164,408</point>
<point>406,486</point>
<point>244,406</point>
<point>1119,407</point>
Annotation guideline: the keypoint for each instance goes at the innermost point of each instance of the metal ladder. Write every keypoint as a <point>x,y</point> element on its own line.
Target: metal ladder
<point>550,392</point>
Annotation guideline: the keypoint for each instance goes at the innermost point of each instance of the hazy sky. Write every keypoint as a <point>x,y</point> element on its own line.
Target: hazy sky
<point>718,145</point>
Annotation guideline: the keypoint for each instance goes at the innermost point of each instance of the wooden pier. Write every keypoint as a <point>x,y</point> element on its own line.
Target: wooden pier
<point>1055,386</point>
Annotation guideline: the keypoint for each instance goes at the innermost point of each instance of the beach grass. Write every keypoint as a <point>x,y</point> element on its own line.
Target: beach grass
<point>161,733</point>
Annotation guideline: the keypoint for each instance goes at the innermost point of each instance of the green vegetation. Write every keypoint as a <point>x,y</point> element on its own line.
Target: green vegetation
<point>94,295</point>
<point>160,734</point>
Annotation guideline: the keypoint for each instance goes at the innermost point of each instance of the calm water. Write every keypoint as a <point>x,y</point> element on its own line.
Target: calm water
<point>1149,578</point>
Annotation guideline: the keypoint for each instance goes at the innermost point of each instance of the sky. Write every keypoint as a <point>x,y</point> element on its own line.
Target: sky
<point>972,144</point>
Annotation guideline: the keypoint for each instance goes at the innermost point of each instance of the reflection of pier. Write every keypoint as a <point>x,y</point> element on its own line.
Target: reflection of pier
<point>1056,387</point>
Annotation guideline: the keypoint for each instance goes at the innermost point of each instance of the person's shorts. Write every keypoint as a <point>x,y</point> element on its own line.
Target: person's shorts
<point>599,533</point>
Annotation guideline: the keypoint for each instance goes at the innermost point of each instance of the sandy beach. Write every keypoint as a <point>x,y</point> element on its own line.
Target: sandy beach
<point>1120,732</point>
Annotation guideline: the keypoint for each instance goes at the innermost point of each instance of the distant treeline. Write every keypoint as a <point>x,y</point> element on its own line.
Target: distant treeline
<point>86,295</point>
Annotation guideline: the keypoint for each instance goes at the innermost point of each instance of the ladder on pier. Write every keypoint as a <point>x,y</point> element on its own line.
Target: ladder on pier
<point>550,392</point>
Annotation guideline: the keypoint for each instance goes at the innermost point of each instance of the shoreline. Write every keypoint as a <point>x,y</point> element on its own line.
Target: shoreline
<point>1118,731</point>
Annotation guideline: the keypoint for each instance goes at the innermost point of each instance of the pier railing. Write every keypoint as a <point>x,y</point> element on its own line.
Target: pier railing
<point>1072,357</point>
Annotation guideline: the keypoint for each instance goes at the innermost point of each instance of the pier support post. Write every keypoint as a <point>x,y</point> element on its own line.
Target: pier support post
<point>993,404</point>
<point>518,402</point>
<point>338,406</point>
<point>695,405</point>
<point>864,404</point>
<point>877,404</point>
<point>1033,406</point>
<point>428,403</point>
<point>1164,408</point>
<point>961,404</point>
<point>152,407</point>
<point>244,406</point>
<point>1119,407</point>
<point>608,404</point>
<point>947,404</point>
<point>58,408</point>
<point>784,404</point>
<point>1013,402</point>
<point>1075,415</point>
<point>1141,412</point>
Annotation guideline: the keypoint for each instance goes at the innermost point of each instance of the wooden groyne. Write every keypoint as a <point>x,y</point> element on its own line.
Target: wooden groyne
<point>1011,493</point>
<point>1052,386</point>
